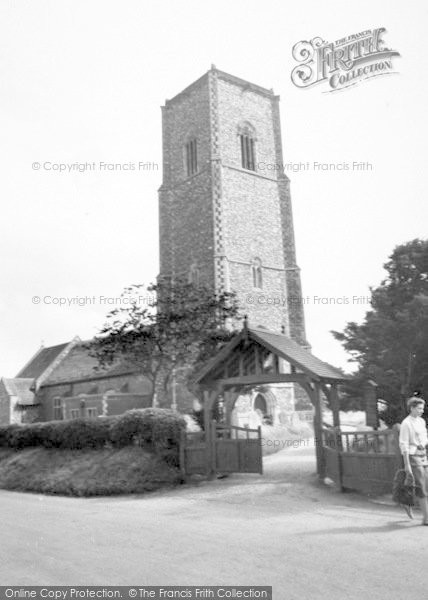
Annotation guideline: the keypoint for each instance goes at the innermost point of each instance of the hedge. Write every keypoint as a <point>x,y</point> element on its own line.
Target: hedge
<point>157,428</point>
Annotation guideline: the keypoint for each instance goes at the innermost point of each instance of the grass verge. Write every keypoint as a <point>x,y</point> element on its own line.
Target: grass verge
<point>106,471</point>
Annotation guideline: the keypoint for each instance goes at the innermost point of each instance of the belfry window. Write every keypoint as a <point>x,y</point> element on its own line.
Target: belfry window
<point>191,157</point>
<point>256,269</point>
<point>247,152</point>
<point>247,143</point>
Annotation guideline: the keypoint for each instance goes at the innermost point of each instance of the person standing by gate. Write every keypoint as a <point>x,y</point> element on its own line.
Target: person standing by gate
<point>413,441</point>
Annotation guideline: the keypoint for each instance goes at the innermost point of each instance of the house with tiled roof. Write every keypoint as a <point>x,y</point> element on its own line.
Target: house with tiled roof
<point>65,382</point>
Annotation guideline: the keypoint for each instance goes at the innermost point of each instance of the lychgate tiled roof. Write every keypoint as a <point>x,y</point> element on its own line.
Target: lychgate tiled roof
<point>278,344</point>
<point>291,350</point>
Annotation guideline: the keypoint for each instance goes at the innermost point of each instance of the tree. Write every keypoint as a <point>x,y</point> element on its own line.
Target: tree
<point>183,325</point>
<point>391,345</point>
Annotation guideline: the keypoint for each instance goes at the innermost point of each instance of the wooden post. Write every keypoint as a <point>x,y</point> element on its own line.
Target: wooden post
<point>209,397</point>
<point>316,400</point>
<point>259,436</point>
<point>258,366</point>
<point>334,403</point>
<point>182,456</point>
<point>213,448</point>
<point>241,364</point>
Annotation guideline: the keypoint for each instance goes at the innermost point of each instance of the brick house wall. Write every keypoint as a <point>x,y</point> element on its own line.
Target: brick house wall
<point>104,395</point>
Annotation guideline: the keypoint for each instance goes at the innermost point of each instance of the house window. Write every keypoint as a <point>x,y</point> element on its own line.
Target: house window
<point>92,412</point>
<point>256,269</point>
<point>74,413</point>
<point>58,413</point>
<point>191,157</point>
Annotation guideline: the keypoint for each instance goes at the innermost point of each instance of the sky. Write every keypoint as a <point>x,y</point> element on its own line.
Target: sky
<point>82,82</point>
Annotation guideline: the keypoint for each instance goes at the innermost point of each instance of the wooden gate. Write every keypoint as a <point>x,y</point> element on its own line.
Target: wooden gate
<point>365,461</point>
<point>223,449</point>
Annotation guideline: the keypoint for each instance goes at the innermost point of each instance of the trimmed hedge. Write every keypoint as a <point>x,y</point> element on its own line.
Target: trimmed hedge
<point>157,428</point>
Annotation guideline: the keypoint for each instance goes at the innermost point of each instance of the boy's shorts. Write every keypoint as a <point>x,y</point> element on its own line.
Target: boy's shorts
<point>419,464</point>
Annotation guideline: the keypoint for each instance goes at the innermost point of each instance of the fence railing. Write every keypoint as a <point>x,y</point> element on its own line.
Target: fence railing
<point>361,460</point>
<point>384,441</point>
<point>377,442</point>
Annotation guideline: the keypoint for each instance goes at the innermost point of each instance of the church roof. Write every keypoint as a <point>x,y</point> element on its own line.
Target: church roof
<point>79,366</point>
<point>20,387</point>
<point>66,363</point>
<point>41,361</point>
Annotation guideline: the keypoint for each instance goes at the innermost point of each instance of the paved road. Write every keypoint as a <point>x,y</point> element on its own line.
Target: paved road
<point>281,529</point>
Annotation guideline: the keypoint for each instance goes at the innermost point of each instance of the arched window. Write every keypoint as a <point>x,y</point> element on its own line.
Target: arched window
<point>247,141</point>
<point>256,269</point>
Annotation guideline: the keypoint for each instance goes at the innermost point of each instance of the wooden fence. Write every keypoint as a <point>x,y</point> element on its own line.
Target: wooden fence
<point>365,461</point>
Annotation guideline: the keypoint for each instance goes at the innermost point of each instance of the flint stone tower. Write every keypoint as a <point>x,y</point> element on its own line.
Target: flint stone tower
<point>225,208</point>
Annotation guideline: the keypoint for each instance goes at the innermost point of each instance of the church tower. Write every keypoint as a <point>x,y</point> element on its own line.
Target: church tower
<point>225,207</point>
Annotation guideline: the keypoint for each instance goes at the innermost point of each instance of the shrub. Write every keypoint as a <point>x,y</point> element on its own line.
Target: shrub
<point>22,436</point>
<point>76,434</point>
<point>392,414</point>
<point>155,427</point>
<point>166,433</point>
<point>79,433</point>
<point>134,426</point>
<point>3,436</point>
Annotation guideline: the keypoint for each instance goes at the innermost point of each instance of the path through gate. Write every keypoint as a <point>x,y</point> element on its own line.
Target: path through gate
<point>222,449</point>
